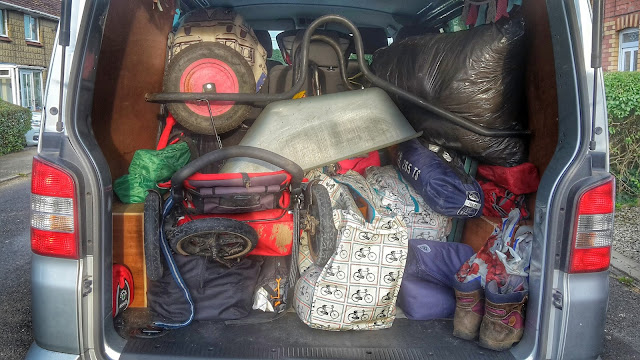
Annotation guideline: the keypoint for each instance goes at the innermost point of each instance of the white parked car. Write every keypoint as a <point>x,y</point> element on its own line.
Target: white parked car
<point>33,135</point>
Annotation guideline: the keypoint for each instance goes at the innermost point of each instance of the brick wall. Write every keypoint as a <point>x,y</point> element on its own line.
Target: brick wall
<point>618,15</point>
<point>614,8</point>
<point>610,47</point>
<point>15,49</point>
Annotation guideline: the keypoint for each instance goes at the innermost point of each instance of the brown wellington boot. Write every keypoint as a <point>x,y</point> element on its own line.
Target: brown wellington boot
<point>503,322</point>
<point>469,309</point>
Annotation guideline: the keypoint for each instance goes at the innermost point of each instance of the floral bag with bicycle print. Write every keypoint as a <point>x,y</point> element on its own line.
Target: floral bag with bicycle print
<point>358,287</point>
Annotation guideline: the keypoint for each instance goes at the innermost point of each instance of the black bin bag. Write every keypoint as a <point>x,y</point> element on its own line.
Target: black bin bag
<point>218,292</point>
<point>477,74</point>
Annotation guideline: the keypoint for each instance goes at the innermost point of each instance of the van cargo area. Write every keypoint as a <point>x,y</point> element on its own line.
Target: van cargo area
<point>130,47</point>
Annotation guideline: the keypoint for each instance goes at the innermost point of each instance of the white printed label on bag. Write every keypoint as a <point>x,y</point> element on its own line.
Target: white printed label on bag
<point>425,248</point>
<point>472,205</point>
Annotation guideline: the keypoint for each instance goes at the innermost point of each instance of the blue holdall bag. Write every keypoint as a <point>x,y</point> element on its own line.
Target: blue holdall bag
<point>426,292</point>
<point>439,177</point>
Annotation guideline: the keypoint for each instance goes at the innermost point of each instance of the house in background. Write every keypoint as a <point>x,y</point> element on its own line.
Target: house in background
<point>27,36</point>
<point>620,43</point>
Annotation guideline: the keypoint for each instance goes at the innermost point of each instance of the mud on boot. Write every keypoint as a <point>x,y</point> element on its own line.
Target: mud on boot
<point>503,321</point>
<point>469,309</point>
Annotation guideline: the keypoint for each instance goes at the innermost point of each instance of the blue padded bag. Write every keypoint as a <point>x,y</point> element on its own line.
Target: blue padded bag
<point>440,179</point>
<point>426,292</point>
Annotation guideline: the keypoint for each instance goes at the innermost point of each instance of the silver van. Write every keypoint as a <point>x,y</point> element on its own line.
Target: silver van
<point>91,125</point>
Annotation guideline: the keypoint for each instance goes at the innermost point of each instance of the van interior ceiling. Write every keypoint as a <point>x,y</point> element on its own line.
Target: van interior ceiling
<point>133,63</point>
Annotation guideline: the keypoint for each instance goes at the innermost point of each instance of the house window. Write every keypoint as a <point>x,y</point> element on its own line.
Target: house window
<point>6,88</point>
<point>628,55</point>
<point>3,22</point>
<point>31,89</point>
<point>31,28</point>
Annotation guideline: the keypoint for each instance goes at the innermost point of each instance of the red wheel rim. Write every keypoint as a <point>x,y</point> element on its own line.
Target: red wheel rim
<point>209,71</point>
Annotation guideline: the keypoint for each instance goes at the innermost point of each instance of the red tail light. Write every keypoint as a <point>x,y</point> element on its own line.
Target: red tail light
<point>53,213</point>
<point>593,229</point>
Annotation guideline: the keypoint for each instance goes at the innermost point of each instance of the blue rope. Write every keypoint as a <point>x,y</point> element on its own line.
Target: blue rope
<point>173,268</point>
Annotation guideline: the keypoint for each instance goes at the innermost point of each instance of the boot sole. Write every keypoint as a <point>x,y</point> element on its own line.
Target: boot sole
<point>496,346</point>
<point>465,335</point>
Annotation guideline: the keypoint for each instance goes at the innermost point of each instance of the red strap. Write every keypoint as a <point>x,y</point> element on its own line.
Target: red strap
<point>175,141</point>
<point>502,9</point>
<point>473,15</point>
<point>164,138</point>
<point>359,164</point>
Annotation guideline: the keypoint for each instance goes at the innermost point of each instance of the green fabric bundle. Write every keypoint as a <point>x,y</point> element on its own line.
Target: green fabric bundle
<point>148,168</point>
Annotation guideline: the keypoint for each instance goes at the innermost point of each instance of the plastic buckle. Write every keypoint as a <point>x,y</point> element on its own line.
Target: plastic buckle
<point>149,332</point>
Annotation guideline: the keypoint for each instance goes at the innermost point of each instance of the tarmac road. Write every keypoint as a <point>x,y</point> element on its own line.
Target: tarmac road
<point>622,336</point>
<point>622,333</point>
<point>15,269</point>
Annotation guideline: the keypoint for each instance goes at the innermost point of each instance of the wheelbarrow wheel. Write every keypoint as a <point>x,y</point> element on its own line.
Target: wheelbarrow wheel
<point>322,235</point>
<point>152,214</point>
<point>209,66</point>
<point>219,238</point>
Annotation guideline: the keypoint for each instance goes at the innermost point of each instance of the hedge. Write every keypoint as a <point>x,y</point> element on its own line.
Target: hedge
<point>623,104</point>
<point>15,121</point>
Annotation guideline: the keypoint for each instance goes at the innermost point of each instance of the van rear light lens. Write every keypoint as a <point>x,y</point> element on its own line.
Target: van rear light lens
<point>590,260</point>
<point>52,204</point>
<point>60,223</point>
<point>593,231</point>
<point>53,214</point>
<point>56,244</point>
<point>51,181</point>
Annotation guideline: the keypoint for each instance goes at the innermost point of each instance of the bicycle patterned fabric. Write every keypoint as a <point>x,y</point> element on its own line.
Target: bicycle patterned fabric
<point>398,196</point>
<point>368,249</point>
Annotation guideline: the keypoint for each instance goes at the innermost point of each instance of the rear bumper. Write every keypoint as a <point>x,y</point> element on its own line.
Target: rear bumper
<point>38,353</point>
<point>585,307</point>
<point>54,303</point>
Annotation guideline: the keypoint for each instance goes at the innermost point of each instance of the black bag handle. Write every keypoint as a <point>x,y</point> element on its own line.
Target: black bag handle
<point>285,164</point>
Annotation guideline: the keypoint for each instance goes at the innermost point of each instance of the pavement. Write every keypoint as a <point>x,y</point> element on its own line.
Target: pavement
<point>626,232</point>
<point>17,164</point>
<point>625,265</point>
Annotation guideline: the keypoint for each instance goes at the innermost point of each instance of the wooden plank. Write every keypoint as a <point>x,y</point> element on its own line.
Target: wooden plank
<point>540,85</point>
<point>477,230</point>
<point>132,61</point>
<point>128,246</point>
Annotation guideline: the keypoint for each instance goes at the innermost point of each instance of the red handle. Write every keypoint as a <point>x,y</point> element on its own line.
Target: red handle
<point>164,138</point>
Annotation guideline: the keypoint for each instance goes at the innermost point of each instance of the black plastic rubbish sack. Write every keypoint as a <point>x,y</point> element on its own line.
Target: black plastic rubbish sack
<point>439,177</point>
<point>218,292</point>
<point>477,74</point>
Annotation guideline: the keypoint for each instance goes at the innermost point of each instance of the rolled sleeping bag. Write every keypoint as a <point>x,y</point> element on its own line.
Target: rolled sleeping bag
<point>440,179</point>
<point>426,292</point>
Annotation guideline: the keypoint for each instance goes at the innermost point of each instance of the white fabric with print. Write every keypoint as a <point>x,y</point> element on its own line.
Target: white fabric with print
<point>401,198</point>
<point>358,287</point>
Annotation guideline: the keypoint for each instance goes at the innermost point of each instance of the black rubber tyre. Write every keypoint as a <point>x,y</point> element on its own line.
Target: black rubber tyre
<point>152,255</point>
<point>191,120</point>
<point>234,238</point>
<point>323,244</point>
